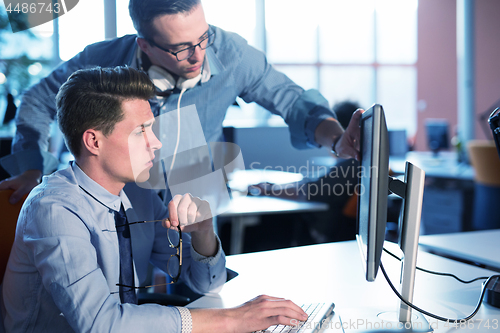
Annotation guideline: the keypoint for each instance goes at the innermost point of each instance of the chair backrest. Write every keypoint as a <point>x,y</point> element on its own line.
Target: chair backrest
<point>485,160</point>
<point>8,221</point>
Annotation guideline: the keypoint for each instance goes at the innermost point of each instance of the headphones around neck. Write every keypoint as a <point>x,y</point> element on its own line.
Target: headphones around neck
<point>164,81</point>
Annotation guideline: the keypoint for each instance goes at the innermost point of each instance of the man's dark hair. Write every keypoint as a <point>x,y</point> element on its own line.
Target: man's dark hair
<point>92,99</point>
<point>143,12</point>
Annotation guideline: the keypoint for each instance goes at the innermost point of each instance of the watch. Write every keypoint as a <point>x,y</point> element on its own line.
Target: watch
<point>334,145</point>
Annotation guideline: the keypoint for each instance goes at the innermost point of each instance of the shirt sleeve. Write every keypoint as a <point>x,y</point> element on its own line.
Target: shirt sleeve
<point>34,118</point>
<point>211,261</point>
<point>260,82</point>
<point>186,319</point>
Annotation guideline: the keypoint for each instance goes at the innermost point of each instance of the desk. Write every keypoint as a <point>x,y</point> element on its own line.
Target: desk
<point>448,194</point>
<point>246,211</point>
<point>333,272</point>
<point>444,165</point>
<point>481,247</point>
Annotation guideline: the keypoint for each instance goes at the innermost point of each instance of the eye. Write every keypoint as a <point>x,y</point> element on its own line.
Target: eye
<point>141,131</point>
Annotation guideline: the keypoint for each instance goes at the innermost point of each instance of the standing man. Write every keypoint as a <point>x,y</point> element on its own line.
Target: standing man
<point>191,63</point>
<point>68,269</point>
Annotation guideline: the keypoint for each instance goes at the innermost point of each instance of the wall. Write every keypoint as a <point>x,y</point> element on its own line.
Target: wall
<point>437,64</point>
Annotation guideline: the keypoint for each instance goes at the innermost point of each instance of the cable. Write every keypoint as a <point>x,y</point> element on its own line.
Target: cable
<point>178,130</point>
<point>454,321</point>
<point>439,273</point>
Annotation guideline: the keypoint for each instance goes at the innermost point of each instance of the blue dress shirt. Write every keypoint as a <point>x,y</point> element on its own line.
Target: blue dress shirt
<point>64,264</point>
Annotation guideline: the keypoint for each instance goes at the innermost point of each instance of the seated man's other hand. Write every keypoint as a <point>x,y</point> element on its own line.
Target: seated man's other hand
<point>191,213</point>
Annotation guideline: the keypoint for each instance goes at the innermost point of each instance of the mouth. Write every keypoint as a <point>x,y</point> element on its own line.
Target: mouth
<point>194,68</point>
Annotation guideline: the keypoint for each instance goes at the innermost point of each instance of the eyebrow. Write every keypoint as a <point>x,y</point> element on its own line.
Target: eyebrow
<point>169,46</point>
<point>148,123</point>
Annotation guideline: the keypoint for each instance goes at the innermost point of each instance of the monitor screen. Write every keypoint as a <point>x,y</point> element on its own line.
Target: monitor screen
<point>437,134</point>
<point>373,189</point>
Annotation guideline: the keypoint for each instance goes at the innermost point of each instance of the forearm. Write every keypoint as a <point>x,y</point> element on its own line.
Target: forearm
<point>205,242</point>
<point>212,320</point>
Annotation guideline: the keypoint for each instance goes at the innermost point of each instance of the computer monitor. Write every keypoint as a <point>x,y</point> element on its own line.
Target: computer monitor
<point>375,186</point>
<point>372,204</point>
<point>437,134</point>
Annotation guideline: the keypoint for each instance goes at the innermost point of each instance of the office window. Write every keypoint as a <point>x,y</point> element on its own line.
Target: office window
<point>124,25</point>
<point>360,50</point>
<point>25,57</point>
<point>82,26</point>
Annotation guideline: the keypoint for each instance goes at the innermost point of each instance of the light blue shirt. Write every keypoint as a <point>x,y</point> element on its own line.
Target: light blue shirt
<point>64,264</point>
<point>236,68</point>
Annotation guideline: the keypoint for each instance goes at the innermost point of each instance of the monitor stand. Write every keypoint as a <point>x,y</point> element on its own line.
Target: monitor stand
<point>402,319</point>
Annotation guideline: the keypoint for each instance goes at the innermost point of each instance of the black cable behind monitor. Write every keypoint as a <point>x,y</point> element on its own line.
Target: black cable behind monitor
<point>439,273</point>
<point>454,321</point>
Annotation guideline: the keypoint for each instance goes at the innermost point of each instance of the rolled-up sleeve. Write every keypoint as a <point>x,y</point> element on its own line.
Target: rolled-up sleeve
<point>260,82</point>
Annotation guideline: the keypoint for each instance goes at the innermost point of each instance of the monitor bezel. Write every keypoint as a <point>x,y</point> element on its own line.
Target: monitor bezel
<point>374,175</point>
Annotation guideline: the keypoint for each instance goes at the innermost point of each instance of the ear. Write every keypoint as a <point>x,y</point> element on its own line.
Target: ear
<point>91,141</point>
<point>143,45</point>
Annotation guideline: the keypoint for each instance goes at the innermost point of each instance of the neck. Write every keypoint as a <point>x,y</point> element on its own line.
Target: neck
<point>99,176</point>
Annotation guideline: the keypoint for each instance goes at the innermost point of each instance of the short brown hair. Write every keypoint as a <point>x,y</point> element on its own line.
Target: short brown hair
<point>92,99</point>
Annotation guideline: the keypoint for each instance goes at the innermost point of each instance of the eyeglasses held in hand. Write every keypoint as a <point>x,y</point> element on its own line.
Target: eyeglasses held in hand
<point>174,263</point>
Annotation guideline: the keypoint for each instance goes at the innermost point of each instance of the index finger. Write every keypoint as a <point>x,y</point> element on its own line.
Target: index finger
<point>355,118</point>
<point>166,223</point>
<point>172,210</point>
<point>278,302</point>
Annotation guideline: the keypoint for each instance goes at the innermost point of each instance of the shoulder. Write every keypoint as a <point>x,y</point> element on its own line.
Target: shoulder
<point>127,40</point>
<point>117,51</point>
<point>227,39</point>
<point>57,189</point>
<point>227,45</point>
<point>52,206</point>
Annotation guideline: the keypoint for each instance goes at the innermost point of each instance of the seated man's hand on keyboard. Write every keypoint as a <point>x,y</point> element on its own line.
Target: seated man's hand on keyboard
<point>264,311</point>
<point>254,315</point>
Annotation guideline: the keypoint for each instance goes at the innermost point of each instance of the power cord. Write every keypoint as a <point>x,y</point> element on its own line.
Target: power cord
<point>439,273</point>
<point>455,321</point>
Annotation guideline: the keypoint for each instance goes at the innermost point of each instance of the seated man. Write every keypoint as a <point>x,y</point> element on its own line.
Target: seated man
<point>76,259</point>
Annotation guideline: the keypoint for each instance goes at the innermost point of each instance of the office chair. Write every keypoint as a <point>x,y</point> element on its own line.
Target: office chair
<point>8,226</point>
<point>484,158</point>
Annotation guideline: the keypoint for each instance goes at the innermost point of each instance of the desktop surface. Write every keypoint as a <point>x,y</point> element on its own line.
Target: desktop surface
<point>480,247</point>
<point>443,165</point>
<point>333,272</point>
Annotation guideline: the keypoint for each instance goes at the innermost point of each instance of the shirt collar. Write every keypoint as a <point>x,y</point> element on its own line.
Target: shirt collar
<point>99,193</point>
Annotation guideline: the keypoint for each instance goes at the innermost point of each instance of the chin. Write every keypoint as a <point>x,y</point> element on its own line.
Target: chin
<point>142,176</point>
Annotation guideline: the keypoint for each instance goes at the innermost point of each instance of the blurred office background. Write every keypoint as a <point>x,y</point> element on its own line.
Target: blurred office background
<point>407,55</point>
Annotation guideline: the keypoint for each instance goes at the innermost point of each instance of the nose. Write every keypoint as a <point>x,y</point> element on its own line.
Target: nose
<point>198,55</point>
<point>154,143</point>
